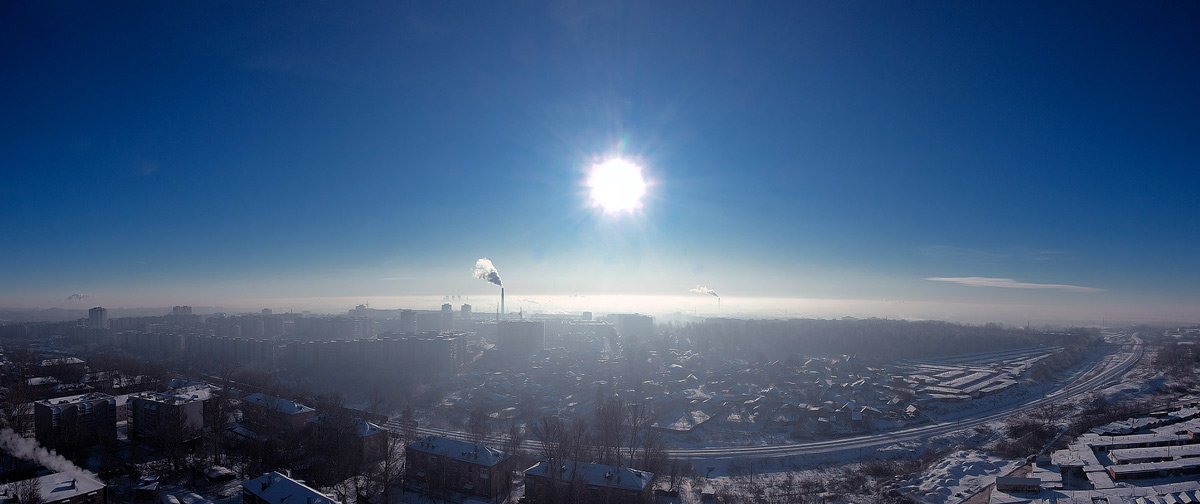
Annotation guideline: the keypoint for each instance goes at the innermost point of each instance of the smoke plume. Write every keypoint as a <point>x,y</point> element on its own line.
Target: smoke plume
<point>704,290</point>
<point>29,449</point>
<point>77,297</point>
<point>485,270</point>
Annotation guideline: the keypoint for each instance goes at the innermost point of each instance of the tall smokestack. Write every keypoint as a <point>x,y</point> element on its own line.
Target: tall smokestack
<point>502,300</point>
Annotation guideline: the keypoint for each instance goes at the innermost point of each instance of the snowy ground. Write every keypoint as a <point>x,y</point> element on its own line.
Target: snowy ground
<point>958,476</point>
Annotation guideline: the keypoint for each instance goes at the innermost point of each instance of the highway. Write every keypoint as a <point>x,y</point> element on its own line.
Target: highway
<point>1102,372</point>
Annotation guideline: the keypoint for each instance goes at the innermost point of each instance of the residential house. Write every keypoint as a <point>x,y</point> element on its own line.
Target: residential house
<point>268,414</point>
<point>587,483</point>
<point>369,440</point>
<point>437,464</point>
<point>274,488</point>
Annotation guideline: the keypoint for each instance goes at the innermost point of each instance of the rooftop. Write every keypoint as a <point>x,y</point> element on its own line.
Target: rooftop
<point>81,398</point>
<point>58,487</point>
<point>598,475</point>
<point>275,487</point>
<point>459,450</point>
<point>275,403</point>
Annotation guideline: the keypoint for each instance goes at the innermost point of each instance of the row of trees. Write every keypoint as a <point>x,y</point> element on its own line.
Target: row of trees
<point>619,435</point>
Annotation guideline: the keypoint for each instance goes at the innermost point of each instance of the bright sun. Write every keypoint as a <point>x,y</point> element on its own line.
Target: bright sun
<point>617,185</point>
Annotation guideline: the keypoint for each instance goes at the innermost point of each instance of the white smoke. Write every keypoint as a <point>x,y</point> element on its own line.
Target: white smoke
<point>704,290</point>
<point>29,449</point>
<point>485,270</point>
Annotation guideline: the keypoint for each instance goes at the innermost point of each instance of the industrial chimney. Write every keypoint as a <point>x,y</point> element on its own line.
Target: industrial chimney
<point>502,301</point>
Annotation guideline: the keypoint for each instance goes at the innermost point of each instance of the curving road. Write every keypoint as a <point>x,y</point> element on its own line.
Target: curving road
<point>1102,372</point>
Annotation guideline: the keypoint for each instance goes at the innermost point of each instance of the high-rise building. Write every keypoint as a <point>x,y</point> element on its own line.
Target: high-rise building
<point>447,318</point>
<point>266,311</point>
<point>466,311</point>
<point>181,310</point>
<point>408,321</point>
<point>98,317</point>
<point>635,325</point>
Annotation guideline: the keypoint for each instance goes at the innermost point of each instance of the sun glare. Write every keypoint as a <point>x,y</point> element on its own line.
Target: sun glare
<point>617,185</point>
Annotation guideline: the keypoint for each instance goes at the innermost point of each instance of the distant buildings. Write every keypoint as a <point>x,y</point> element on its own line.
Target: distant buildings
<point>181,310</point>
<point>408,321</point>
<point>275,488</point>
<point>518,338</point>
<point>466,311</point>
<point>437,464</point>
<point>98,318</point>
<point>587,483</point>
<point>635,326</point>
<point>425,353</point>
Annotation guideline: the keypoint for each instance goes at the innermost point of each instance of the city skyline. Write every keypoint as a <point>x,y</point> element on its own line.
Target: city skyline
<point>953,161</point>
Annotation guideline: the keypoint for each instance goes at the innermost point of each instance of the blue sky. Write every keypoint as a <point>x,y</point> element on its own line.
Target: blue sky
<point>198,152</point>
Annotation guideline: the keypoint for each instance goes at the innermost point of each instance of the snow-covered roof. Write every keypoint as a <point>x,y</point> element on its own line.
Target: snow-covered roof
<point>59,487</point>
<point>275,403</point>
<point>362,428</point>
<point>91,396</point>
<point>459,450</point>
<point>176,396</point>
<point>598,475</point>
<point>275,487</point>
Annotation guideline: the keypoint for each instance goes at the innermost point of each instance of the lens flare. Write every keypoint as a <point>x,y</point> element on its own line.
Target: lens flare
<point>617,186</point>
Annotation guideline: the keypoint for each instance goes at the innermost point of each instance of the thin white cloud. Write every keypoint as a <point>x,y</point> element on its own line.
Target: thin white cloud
<point>1016,252</point>
<point>1008,283</point>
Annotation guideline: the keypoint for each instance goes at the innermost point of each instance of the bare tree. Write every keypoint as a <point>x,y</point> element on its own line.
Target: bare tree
<point>513,439</point>
<point>389,471</point>
<point>478,425</point>
<point>174,437</point>
<point>18,406</point>
<point>564,444</point>
<point>26,491</point>
<point>610,422</point>
<point>639,420</point>
<point>408,425</point>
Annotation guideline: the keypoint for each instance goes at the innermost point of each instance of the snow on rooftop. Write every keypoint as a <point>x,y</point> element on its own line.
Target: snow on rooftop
<point>275,403</point>
<point>275,487</point>
<point>459,450</point>
<point>75,399</point>
<point>59,487</point>
<point>598,475</point>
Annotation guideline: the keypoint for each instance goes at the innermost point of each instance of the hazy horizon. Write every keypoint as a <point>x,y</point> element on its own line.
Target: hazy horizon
<point>666,306</point>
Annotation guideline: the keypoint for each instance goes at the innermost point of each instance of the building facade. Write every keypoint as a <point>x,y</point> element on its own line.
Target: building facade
<point>438,465</point>
<point>76,421</point>
<point>163,417</point>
